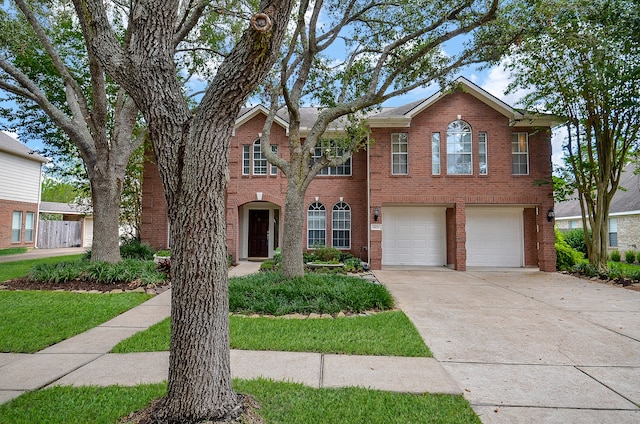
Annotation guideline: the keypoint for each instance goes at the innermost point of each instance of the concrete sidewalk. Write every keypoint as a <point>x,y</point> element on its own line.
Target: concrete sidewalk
<point>84,360</point>
<point>527,346</point>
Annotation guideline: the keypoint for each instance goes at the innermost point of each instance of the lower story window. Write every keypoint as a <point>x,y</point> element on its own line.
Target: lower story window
<point>16,227</point>
<point>316,225</point>
<point>29,226</point>
<point>613,232</point>
<point>341,226</point>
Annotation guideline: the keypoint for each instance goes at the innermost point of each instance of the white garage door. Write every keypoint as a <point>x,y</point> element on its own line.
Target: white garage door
<point>495,237</point>
<point>413,236</point>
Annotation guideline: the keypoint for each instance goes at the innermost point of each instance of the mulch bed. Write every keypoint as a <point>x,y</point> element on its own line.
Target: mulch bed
<point>79,285</point>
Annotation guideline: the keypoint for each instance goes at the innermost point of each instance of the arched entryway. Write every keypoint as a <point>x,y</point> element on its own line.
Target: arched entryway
<point>259,229</point>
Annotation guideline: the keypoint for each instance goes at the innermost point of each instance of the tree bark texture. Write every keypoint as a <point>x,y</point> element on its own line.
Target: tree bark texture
<point>292,260</point>
<point>192,153</point>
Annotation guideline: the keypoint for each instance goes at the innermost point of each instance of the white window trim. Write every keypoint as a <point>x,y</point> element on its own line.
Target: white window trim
<point>315,207</point>
<point>469,154</point>
<point>433,153</point>
<point>331,171</point>
<point>257,157</point>
<point>246,159</point>
<point>526,154</point>
<point>400,139</point>
<point>342,207</point>
<point>483,139</point>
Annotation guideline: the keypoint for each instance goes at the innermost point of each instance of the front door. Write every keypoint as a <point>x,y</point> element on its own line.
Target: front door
<point>258,233</point>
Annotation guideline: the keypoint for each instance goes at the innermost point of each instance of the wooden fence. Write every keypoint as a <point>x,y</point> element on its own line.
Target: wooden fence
<point>54,234</point>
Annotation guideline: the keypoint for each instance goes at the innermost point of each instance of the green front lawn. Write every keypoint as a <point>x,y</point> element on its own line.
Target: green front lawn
<point>32,320</point>
<point>19,269</point>
<point>387,333</point>
<point>285,403</point>
<point>13,251</point>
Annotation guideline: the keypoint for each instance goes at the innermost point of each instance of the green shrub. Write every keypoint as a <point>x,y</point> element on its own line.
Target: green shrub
<point>575,239</point>
<point>587,269</point>
<point>135,249</point>
<point>327,254</point>
<point>353,265</point>
<point>267,265</point>
<point>163,253</point>
<point>638,257</point>
<point>309,256</point>
<point>270,293</point>
<point>102,272</point>
<point>615,256</point>
<point>630,256</point>
<point>566,257</point>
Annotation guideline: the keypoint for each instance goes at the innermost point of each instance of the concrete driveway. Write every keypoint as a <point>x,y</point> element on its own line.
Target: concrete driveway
<point>527,346</point>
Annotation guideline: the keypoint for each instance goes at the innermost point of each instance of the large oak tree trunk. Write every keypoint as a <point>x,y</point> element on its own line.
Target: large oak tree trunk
<point>192,153</point>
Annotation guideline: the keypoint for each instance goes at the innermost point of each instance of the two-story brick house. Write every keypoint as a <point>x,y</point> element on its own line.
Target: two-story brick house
<point>459,179</point>
<point>20,180</point>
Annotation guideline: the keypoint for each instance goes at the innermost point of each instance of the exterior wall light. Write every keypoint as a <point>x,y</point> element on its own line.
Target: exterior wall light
<point>376,213</point>
<point>551,215</point>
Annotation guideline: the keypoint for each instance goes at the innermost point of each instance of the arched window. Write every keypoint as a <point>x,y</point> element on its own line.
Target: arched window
<point>459,148</point>
<point>259,161</point>
<point>341,226</point>
<point>316,225</point>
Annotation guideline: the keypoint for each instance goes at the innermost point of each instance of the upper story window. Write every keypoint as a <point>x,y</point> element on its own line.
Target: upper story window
<point>399,153</point>
<point>316,225</point>
<point>333,151</point>
<point>435,153</point>
<point>260,164</point>
<point>341,226</point>
<point>459,148</point>
<point>482,153</point>
<point>520,153</point>
<point>259,161</point>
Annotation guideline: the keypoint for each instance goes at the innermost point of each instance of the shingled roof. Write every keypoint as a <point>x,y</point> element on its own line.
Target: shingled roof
<point>12,146</point>
<point>626,199</point>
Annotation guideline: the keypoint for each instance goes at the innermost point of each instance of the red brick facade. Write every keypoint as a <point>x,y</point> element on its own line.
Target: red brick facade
<point>372,185</point>
<point>7,208</point>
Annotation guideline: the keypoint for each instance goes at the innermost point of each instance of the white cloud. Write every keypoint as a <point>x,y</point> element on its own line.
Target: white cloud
<point>496,83</point>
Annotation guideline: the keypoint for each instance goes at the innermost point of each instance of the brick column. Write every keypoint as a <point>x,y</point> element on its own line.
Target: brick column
<point>460,263</point>
<point>546,240</point>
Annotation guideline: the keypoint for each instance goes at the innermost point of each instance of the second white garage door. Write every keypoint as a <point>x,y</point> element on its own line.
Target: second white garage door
<point>495,237</point>
<point>413,236</point>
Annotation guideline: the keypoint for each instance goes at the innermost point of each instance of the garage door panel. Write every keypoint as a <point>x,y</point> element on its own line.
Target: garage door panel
<point>413,236</point>
<point>495,237</point>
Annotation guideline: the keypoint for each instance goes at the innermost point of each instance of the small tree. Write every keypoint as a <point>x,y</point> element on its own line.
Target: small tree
<point>584,64</point>
<point>388,50</point>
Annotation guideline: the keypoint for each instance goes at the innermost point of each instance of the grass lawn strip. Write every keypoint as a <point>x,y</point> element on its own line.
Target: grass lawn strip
<point>18,269</point>
<point>285,403</point>
<point>386,333</point>
<point>32,320</point>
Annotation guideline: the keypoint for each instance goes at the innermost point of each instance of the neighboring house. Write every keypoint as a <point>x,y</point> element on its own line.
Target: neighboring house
<point>452,180</point>
<point>624,213</point>
<point>20,181</point>
<point>74,229</point>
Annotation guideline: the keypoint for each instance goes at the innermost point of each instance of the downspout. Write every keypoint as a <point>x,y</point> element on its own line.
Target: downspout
<point>368,202</point>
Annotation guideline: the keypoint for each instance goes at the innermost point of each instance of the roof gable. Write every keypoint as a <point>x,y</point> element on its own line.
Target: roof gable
<point>12,146</point>
<point>247,114</point>
<point>402,115</point>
